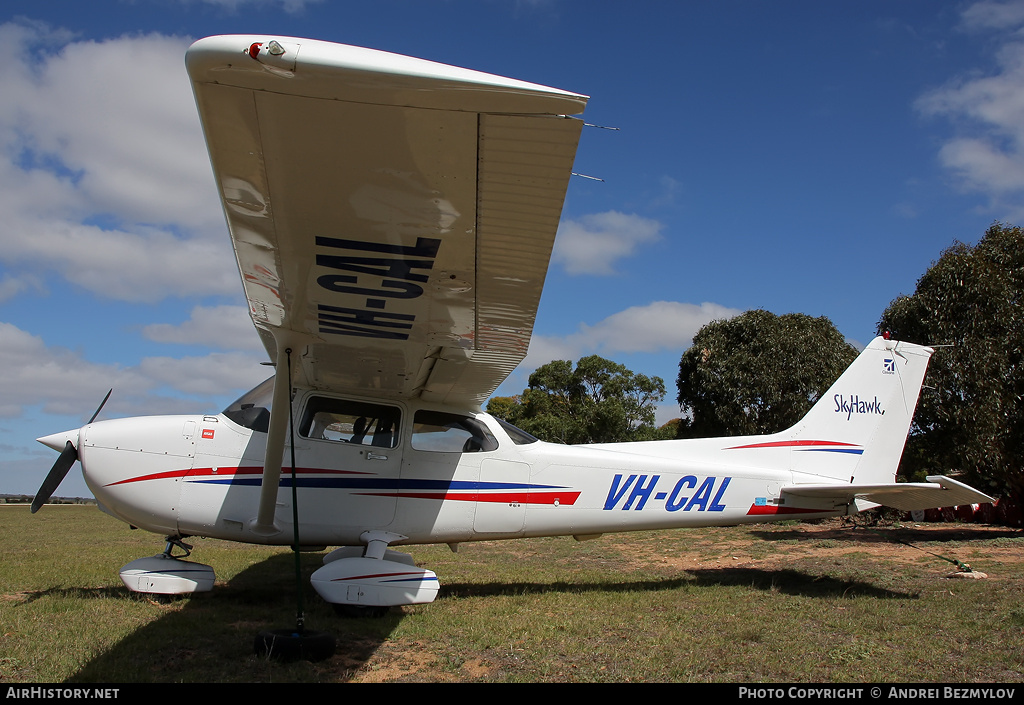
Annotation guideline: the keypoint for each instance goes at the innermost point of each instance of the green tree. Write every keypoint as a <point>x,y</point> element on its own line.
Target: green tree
<point>598,401</point>
<point>757,373</point>
<point>505,408</point>
<point>970,417</point>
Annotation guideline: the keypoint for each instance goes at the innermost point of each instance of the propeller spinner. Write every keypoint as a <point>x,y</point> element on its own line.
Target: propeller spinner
<point>67,458</point>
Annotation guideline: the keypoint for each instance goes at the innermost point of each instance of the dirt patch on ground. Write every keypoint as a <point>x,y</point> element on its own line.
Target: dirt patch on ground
<point>23,596</point>
<point>771,546</point>
<point>412,661</point>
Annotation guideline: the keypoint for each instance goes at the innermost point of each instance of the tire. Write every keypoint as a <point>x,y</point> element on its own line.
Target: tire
<point>289,645</point>
<point>360,611</point>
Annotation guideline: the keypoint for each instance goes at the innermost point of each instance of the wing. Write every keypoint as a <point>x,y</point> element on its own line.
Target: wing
<point>392,218</point>
<point>907,496</point>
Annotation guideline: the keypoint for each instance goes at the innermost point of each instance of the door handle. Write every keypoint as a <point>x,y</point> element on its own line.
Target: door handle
<point>373,456</point>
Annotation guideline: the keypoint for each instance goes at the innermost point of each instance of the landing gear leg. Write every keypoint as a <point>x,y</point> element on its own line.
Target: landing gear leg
<point>173,541</point>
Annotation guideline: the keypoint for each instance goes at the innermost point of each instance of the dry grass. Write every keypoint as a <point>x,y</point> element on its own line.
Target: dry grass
<point>766,603</point>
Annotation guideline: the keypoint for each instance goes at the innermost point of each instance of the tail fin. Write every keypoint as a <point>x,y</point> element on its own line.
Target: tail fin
<point>856,431</point>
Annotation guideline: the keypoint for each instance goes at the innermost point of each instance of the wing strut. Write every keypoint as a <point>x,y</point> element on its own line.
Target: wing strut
<point>264,523</point>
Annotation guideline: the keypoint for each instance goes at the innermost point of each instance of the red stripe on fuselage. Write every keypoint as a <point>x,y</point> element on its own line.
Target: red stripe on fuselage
<point>226,472</point>
<point>567,498</point>
<point>771,509</point>
<point>794,444</point>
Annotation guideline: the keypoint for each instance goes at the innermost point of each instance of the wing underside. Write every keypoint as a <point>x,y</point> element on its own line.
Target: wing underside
<point>392,218</point>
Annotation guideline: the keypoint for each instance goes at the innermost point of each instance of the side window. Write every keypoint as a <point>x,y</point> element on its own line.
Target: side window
<point>346,421</point>
<point>450,433</point>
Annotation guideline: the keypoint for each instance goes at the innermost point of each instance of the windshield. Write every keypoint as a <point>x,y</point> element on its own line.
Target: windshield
<point>518,435</point>
<point>252,409</point>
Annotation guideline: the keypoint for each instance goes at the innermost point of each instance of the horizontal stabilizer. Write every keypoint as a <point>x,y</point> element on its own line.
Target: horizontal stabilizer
<point>938,492</point>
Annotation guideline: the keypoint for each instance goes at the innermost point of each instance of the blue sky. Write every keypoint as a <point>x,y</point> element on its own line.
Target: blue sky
<point>809,157</point>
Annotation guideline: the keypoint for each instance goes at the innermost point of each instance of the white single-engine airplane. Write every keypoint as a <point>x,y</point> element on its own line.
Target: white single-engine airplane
<point>393,219</point>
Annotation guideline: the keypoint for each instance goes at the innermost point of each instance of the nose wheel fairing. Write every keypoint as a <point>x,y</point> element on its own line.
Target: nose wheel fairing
<point>166,574</point>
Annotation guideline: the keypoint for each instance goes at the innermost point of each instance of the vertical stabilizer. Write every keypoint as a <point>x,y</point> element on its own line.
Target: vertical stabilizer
<point>857,429</point>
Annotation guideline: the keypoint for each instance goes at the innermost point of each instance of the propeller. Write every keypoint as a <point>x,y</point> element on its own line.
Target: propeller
<point>60,468</point>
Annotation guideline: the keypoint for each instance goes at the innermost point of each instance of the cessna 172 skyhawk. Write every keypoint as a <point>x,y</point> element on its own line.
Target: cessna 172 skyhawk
<point>392,220</point>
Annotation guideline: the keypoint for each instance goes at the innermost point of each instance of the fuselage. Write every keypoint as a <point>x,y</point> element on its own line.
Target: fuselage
<point>424,472</point>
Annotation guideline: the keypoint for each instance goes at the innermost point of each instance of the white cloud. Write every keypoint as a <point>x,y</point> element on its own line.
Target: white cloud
<point>57,378</point>
<point>289,6</point>
<point>593,243</point>
<point>148,264</point>
<point>119,115</point>
<point>226,327</point>
<point>987,151</point>
<point>671,190</point>
<point>215,374</point>
<point>656,327</point>
<point>11,286</point>
<point>983,165</point>
<point>61,381</point>
<point>544,349</point>
<point>994,15</point>
<point>659,325</point>
<point>104,176</point>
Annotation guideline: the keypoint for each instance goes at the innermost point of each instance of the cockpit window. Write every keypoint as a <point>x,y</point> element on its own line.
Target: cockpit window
<point>348,421</point>
<point>252,409</point>
<point>518,435</point>
<point>450,433</point>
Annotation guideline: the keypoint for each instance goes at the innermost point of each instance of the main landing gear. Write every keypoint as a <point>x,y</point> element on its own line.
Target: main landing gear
<point>358,581</point>
<point>367,582</point>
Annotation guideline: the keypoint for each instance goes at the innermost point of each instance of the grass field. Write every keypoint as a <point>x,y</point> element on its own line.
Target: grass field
<point>764,603</point>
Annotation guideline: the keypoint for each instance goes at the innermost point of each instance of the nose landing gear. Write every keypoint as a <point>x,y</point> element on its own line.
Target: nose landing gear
<point>167,574</point>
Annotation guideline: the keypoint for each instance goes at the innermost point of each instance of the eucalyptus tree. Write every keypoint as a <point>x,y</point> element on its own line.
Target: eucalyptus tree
<point>757,373</point>
<point>970,418</point>
<point>595,401</point>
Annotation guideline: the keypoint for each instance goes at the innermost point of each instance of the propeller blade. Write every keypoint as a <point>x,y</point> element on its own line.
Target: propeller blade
<point>100,407</point>
<point>57,473</point>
